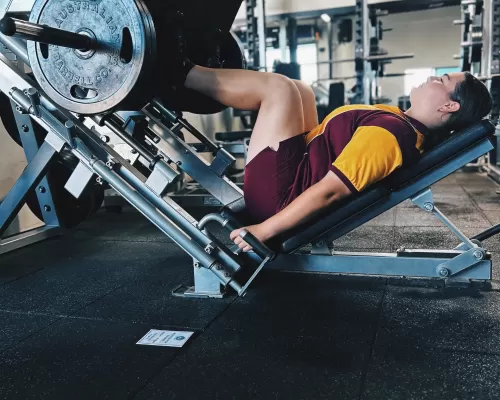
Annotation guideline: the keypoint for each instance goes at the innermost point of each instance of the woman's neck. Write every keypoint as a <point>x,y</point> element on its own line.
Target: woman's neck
<point>429,121</point>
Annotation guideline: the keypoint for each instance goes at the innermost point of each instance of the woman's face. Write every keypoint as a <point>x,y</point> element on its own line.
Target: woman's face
<point>435,92</point>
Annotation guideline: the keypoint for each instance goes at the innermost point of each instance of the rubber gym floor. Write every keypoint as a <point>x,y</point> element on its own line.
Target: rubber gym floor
<point>73,308</point>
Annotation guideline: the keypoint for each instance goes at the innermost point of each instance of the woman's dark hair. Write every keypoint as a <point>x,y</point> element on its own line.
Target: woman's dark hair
<point>475,103</point>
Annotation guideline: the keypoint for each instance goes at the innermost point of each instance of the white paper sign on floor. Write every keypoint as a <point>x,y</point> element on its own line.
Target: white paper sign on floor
<point>165,338</point>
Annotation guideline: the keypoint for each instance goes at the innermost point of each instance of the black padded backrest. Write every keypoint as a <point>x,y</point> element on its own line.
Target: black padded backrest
<point>456,144</point>
<point>300,236</point>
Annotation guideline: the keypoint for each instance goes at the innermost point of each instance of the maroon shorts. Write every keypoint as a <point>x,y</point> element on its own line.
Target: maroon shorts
<point>270,176</point>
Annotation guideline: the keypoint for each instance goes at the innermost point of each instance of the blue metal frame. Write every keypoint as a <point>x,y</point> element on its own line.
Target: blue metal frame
<point>30,147</point>
<point>30,177</point>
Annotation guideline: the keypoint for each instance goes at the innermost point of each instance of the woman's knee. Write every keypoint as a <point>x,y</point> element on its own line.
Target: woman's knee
<point>282,87</point>
<point>306,92</point>
<point>308,98</point>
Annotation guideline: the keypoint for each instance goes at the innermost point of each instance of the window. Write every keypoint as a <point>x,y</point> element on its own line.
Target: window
<point>306,57</point>
<point>273,54</point>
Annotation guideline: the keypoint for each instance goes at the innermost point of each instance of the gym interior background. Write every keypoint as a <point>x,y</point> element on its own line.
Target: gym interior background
<point>316,321</point>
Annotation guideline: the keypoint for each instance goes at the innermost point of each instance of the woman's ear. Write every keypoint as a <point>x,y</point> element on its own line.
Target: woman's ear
<point>450,107</point>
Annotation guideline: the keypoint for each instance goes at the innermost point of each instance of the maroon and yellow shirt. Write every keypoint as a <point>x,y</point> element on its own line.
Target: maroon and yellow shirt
<point>361,144</point>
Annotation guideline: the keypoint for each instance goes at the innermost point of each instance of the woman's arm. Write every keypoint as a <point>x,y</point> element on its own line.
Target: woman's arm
<point>311,202</point>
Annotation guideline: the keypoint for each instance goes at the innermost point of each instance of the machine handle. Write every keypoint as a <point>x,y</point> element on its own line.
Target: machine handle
<point>228,222</point>
<point>260,248</point>
<point>45,34</point>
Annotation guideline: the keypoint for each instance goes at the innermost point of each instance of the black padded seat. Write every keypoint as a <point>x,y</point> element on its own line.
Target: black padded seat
<point>232,136</point>
<point>354,206</point>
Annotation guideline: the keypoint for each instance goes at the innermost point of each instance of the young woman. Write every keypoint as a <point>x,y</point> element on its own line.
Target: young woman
<point>297,167</point>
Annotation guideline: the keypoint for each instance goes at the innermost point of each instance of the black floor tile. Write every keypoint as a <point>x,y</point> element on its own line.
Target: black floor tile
<point>293,336</point>
<point>72,283</point>
<point>488,206</point>
<point>11,270</point>
<point>465,217</point>
<point>113,225</point>
<point>15,327</point>
<point>289,305</point>
<point>416,217</point>
<point>453,189</point>
<point>444,201</point>
<point>148,298</point>
<point>129,225</point>
<point>446,318</point>
<point>43,254</point>
<point>81,359</point>
<point>414,373</point>
<point>240,365</point>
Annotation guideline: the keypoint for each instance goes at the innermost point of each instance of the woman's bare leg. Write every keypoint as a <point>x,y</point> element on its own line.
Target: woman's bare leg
<point>308,105</point>
<point>277,98</point>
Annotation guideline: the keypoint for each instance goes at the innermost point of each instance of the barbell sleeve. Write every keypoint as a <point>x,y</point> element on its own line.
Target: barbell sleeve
<point>45,34</point>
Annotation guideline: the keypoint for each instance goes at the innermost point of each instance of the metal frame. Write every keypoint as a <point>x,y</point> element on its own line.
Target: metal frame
<point>426,265</point>
<point>34,175</point>
<point>67,132</point>
<point>43,192</point>
<point>466,262</point>
<point>27,238</point>
<point>183,155</point>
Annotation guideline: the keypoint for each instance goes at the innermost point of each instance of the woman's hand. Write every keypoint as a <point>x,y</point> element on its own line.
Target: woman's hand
<point>258,231</point>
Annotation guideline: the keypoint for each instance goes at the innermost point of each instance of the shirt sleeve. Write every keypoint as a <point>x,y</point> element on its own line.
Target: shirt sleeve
<point>372,154</point>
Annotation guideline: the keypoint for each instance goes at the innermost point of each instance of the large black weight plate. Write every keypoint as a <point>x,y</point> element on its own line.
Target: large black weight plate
<point>191,101</point>
<point>8,120</point>
<point>71,211</point>
<point>95,81</point>
<point>204,16</point>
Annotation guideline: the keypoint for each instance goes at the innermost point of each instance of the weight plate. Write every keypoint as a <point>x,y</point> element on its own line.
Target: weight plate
<point>195,102</point>
<point>88,81</point>
<point>144,90</point>
<point>8,119</point>
<point>70,211</point>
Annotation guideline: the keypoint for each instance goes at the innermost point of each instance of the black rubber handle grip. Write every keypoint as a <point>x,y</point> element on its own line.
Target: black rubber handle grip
<point>260,248</point>
<point>44,34</point>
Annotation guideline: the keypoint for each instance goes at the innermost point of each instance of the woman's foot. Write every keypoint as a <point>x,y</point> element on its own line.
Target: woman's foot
<point>182,62</point>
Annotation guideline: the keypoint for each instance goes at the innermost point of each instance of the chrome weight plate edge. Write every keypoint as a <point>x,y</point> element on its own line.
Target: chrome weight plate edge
<point>144,90</point>
<point>62,70</point>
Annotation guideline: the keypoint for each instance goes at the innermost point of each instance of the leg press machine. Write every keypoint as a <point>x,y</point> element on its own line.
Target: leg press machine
<point>162,158</point>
